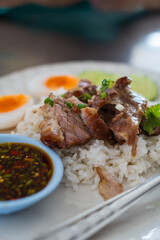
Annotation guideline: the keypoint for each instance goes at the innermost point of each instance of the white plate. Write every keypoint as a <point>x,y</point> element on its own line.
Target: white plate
<point>140,222</point>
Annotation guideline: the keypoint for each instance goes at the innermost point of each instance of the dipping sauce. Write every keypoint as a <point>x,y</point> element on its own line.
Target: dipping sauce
<point>24,170</point>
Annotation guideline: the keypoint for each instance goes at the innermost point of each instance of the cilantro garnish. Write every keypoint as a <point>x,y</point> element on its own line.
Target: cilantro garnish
<point>152,118</point>
<point>80,106</point>
<point>63,95</point>
<point>50,101</point>
<point>70,105</point>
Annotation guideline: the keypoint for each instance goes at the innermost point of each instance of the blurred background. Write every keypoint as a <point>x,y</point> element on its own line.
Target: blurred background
<point>47,31</point>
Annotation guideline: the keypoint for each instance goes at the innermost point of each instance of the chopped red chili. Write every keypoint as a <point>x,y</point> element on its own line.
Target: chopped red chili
<point>24,170</point>
<point>15,153</point>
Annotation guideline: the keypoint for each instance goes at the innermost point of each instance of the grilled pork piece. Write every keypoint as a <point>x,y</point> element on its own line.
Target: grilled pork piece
<point>96,126</point>
<point>108,186</point>
<point>85,87</point>
<point>122,111</point>
<point>63,126</point>
<point>88,87</point>
<point>115,118</point>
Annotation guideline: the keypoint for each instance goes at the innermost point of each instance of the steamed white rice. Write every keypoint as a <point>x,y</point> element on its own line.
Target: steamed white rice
<point>80,161</point>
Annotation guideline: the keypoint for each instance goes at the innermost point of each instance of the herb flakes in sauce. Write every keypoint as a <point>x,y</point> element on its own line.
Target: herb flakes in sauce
<point>24,170</point>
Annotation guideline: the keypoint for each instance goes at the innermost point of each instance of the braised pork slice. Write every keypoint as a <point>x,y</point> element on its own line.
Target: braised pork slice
<point>87,86</point>
<point>84,91</point>
<point>122,111</point>
<point>115,116</point>
<point>65,126</point>
<point>108,186</point>
<point>62,126</point>
<point>96,126</point>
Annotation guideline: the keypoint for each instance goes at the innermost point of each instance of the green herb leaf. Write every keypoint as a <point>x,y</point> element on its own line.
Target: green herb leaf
<point>152,118</point>
<point>70,105</point>
<point>106,84</point>
<point>85,97</point>
<point>103,95</point>
<point>155,109</point>
<point>50,101</point>
<point>80,106</point>
<point>63,95</point>
<point>28,182</point>
<point>103,88</point>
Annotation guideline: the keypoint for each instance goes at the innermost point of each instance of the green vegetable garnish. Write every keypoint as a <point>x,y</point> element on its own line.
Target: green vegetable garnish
<point>152,118</point>
<point>80,106</point>
<point>106,84</point>
<point>85,97</point>
<point>103,95</point>
<point>70,105</point>
<point>50,101</point>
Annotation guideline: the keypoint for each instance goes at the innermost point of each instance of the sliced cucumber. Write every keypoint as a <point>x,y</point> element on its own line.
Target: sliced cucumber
<point>97,77</point>
<point>145,86</point>
<point>140,84</point>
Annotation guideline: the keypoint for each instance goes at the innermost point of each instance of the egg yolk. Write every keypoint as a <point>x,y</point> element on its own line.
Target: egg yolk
<point>67,82</point>
<point>12,102</point>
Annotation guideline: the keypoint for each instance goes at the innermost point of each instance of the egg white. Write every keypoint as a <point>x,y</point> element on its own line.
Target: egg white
<point>37,88</point>
<point>11,118</point>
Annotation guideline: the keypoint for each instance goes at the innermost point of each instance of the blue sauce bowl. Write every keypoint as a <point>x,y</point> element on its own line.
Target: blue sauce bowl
<point>11,206</point>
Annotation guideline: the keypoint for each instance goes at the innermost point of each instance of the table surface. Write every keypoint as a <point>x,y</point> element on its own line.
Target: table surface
<point>22,47</point>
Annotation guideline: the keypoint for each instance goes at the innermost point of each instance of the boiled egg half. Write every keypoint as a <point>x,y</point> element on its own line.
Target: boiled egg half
<point>60,84</point>
<point>12,109</point>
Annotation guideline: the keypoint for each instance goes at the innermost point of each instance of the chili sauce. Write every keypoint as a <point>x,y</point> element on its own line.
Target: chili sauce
<point>24,170</point>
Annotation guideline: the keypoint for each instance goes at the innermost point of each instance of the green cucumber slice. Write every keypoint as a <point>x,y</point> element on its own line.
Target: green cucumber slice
<point>140,84</point>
